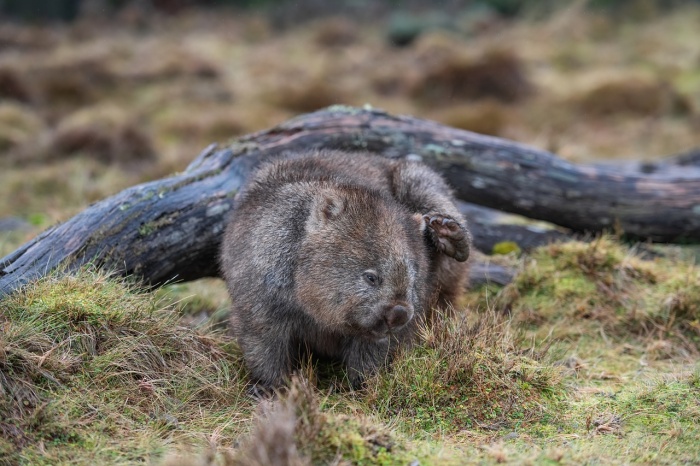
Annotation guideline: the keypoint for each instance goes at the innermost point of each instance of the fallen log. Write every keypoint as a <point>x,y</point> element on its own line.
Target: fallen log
<point>169,229</point>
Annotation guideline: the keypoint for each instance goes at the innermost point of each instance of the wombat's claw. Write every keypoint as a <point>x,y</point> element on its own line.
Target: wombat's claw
<point>260,392</point>
<point>357,382</point>
<point>449,236</point>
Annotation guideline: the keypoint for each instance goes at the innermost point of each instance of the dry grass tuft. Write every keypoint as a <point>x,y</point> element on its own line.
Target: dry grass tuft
<point>71,82</point>
<point>497,74</point>
<point>211,124</point>
<point>336,32</point>
<point>18,125</point>
<point>485,117</point>
<point>15,86</point>
<point>306,94</point>
<point>634,96</point>
<point>293,421</point>
<point>69,89</point>
<point>299,428</point>
<point>106,133</point>
<point>167,63</point>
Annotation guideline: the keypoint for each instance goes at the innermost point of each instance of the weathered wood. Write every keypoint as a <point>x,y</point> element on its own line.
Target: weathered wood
<point>482,273</point>
<point>490,227</point>
<point>169,229</point>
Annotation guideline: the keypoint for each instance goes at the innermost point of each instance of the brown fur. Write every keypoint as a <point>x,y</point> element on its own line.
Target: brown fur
<point>340,254</point>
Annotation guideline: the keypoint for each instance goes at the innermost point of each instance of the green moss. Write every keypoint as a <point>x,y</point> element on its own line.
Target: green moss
<point>146,229</point>
<point>151,227</point>
<point>506,247</point>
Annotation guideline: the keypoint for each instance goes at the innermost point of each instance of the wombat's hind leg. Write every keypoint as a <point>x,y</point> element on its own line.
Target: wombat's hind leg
<point>269,361</point>
<point>450,237</point>
<point>363,358</point>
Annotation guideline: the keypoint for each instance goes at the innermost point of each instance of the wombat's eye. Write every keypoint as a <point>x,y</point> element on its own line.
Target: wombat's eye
<point>371,278</point>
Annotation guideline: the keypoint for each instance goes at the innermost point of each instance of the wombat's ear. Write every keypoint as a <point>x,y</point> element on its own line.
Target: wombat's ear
<point>419,220</point>
<point>329,206</point>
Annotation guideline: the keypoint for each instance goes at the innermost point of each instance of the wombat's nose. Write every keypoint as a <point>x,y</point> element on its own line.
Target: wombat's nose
<point>396,316</point>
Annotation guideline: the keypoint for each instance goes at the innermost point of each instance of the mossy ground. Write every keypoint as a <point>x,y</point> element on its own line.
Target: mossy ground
<point>94,372</point>
<point>588,356</point>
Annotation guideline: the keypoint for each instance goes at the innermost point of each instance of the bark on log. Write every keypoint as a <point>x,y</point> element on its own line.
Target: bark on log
<point>169,229</point>
<point>490,227</point>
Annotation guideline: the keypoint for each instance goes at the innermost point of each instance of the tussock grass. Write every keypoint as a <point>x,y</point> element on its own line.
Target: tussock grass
<point>467,373</point>
<point>634,96</point>
<point>306,94</point>
<point>13,87</point>
<point>17,125</point>
<point>336,32</point>
<point>106,133</point>
<point>294,419</point>
<point>485,117</point>
<point>497,74</point>
<point>92,368</point>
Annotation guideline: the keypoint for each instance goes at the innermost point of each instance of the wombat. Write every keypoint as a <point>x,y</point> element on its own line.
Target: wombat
<point>340,254</point>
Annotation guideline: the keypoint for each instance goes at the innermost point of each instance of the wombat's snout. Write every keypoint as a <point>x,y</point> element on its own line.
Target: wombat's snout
<point>397,316</point>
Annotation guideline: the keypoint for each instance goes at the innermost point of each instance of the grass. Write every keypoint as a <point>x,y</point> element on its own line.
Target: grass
<point>554,368</point>
<point>467,375</point>
<point>94,371</point>
<point>602,286</point>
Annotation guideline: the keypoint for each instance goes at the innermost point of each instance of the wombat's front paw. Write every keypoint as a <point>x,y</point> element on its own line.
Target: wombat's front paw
<point>356,379</point>
<point>449,235</point>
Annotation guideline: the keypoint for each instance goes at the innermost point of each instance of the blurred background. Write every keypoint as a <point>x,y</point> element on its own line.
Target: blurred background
<point>98,95</point>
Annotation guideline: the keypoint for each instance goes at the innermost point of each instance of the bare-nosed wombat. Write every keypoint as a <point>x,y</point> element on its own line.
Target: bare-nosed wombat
<point>339,254</point>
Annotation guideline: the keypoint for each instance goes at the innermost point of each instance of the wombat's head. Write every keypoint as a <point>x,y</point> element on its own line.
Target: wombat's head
<point>362,263</point>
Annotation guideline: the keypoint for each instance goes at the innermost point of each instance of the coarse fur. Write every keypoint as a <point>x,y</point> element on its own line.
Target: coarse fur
<point>340,254</point>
